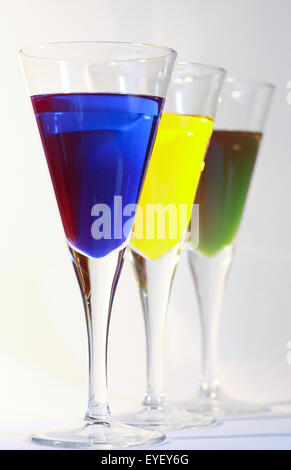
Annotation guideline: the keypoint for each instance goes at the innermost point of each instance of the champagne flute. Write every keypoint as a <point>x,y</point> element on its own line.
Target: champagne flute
<point>167,198</point>
<point>97,106</point>
<point>221,195</point>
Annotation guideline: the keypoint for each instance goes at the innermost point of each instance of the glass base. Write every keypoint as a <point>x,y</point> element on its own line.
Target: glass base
<point>107,434</point>
<point>280,408</point>
<point>165,417</point>
<point>222,405</point>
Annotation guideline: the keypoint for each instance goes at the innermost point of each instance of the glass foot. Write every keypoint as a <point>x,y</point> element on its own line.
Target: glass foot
<point>280,408</point>
<point>222,405</point>
<point>165,418</point>
<point>107,434</point>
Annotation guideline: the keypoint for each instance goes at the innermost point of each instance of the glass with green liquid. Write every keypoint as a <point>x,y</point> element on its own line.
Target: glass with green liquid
<point>223,187</point>
<point>221,196</point>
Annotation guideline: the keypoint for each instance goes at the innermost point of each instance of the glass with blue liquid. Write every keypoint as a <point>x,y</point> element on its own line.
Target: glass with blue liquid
<point>97,107</point>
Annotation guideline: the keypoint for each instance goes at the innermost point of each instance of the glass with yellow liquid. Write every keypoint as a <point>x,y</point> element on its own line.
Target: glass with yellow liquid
<point>162,219</point>
<point>171,182</point>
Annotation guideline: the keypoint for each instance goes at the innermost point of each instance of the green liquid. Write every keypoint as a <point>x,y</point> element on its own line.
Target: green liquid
<point>223,187</point>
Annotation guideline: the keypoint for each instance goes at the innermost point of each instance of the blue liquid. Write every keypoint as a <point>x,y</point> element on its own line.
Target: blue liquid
<point>97,146</point>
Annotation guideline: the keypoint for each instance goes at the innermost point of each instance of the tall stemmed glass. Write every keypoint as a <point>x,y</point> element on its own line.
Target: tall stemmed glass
<point>166,203</point>
<point>221,195</point>
<point>97,106</point>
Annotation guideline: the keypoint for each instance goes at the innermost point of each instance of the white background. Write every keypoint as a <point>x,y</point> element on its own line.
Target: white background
<point>43,352</point>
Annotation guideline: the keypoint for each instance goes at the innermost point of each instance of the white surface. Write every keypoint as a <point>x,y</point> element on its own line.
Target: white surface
<point>272,432</point>
<point>43,351</point>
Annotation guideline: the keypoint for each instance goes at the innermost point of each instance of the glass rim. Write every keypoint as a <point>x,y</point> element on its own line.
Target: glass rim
<point>258,83</point>
<point>169,52</point>
<point>215,68</point>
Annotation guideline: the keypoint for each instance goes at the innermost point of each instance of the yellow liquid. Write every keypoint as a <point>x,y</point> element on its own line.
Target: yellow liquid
<point>172,178</point>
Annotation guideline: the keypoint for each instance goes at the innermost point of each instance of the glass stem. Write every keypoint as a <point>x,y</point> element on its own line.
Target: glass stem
<point>154,279</point>
<point>210,275</point>
<point>97,280</point>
